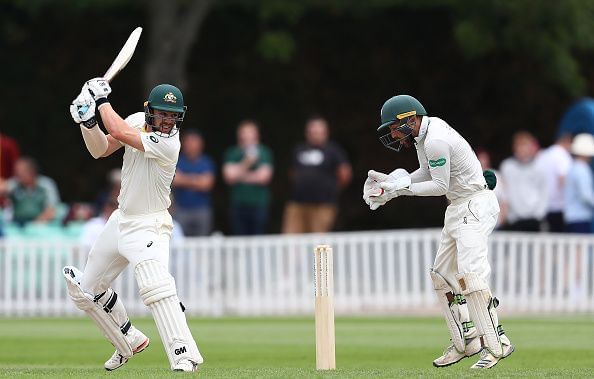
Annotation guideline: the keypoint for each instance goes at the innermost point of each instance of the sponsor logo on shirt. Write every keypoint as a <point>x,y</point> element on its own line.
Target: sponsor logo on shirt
<point>154,139</point>
<point>437,162</point>
<point>312,157</point>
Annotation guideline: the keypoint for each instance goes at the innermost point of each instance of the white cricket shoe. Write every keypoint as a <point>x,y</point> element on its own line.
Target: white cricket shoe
<point>488,360</point>
<point>137,340</point>
<point>451,355</point>
<point>186,365</point>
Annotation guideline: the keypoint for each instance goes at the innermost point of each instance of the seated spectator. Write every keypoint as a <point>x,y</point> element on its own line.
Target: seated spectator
<point>525,185</point>
<point>112,191</point>
<point>320,170</point>
<point>192,185</point>
<point>579,188</point>
<point>9,154</point>
<point>79,212</point>
<point>33,197</point>
<point>248,171</point>
<point>93,227</point>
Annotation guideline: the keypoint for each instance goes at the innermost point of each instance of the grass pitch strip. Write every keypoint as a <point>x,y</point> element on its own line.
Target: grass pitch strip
<point>395,347</point>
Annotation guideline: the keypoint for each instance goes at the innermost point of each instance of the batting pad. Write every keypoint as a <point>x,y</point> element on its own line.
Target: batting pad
<point>106,310</point>
<point>445,296</point>
<point>158,292</point>
<point>481,306</point>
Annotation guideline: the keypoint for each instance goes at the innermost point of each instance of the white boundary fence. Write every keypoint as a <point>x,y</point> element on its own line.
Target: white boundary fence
<point>375,273</point>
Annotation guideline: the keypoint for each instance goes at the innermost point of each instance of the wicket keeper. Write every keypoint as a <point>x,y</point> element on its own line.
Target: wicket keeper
<point>139,231</point>
<point>460,273</point>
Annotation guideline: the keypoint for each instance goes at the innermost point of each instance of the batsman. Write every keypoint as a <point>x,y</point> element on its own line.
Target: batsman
<point>460,273</point>
<point>139,231</point>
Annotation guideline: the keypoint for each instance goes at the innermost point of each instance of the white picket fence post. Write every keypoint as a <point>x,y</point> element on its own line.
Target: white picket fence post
<point>380,272</point>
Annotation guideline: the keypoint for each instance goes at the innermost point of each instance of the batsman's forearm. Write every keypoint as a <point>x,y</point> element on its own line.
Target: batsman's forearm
<point>115,125</point>
<point>95,140</point>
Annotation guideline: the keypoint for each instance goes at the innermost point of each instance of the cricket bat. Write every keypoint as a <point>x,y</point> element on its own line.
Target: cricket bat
<point>124,55</point>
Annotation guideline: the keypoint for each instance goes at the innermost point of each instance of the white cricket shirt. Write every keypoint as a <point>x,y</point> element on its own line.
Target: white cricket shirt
<point>448,165</point>
<point>147,175</point>
<point>554,162</point>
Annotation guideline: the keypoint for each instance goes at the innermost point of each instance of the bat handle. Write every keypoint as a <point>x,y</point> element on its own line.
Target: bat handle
<point>82,109</point>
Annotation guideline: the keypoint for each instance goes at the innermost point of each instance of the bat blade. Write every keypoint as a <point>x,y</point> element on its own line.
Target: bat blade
<point>124,55</point>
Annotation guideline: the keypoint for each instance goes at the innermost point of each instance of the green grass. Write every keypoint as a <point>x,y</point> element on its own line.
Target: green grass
<point>284,348</point>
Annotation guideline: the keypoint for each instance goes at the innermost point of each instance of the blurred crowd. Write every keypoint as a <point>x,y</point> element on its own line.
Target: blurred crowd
<point>31,205</point>
<point>539,189</point>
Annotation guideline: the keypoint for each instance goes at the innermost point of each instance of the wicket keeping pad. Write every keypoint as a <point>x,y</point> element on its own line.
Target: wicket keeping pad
<point>106,310</point>
<point>481,306</point>
<point>158,292</point>
<point>455,312</point>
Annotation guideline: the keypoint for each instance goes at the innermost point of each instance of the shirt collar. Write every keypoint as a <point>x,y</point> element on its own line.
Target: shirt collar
<point>422,129</point>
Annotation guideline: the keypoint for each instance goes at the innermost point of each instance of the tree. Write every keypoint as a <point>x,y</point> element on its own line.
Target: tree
<point>174,26</point>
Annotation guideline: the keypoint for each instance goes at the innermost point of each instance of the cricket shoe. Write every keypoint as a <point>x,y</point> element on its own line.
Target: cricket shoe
<point>137,340</point>
<point>451,355</point>
<point>185,365</point>
<point>488,360</point>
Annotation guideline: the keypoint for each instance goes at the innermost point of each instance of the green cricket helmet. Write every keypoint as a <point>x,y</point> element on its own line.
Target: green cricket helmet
<point>168,98</point>
<point>399,110</point>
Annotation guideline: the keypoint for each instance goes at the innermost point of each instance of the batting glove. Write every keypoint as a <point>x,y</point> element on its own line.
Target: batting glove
<point>98,88</point>
<point>82,110</point>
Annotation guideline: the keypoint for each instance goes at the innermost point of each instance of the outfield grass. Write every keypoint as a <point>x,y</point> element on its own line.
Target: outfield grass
<point>284,348</point>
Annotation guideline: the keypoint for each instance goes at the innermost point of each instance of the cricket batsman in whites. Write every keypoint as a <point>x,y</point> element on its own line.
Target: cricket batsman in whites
<point>460,273</point>
<point>137,233</point>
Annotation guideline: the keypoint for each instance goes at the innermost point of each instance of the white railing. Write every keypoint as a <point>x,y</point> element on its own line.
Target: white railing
<point>375,273</point>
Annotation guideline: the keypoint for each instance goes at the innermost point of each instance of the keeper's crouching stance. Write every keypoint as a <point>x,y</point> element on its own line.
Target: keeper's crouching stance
<point>138,233</point>
<point>448,166</point>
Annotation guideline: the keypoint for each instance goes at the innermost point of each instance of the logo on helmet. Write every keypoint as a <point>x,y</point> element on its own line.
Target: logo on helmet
<point>170,98</point>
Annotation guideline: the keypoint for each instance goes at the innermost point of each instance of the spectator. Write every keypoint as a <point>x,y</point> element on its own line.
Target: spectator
<point>9,154</point>
<point>525,185</point>
<point>33,197</point>
<point>484,158</point>
<point>248,170</point>
<point>320,170</point>
<point>193,182</point>
<point>554,161</point>
<point>93,227</point>
<point>579,118</point>
<point>579,189</point>
<point>112,191</point>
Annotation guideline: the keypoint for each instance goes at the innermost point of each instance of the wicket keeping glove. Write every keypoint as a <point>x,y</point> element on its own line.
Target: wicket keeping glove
<point>393,185</point>
<point>98,88</point>
<point>373,194</point>
<point>371,188</point>
<point>397,183</point>
<point>82,110</point>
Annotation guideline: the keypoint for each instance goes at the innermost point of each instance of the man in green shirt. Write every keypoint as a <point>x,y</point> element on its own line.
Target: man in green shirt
<point>248,169</point>
<point>33,197</point>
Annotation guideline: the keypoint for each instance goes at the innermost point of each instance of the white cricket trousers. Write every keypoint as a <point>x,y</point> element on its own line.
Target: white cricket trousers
<point>464,245</point>
<point>126,239</point>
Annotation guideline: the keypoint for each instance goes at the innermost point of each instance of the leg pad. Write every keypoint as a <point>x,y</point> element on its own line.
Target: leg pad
<point>106,310</point>
<point>481,305</point>
<point>158,292</point>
